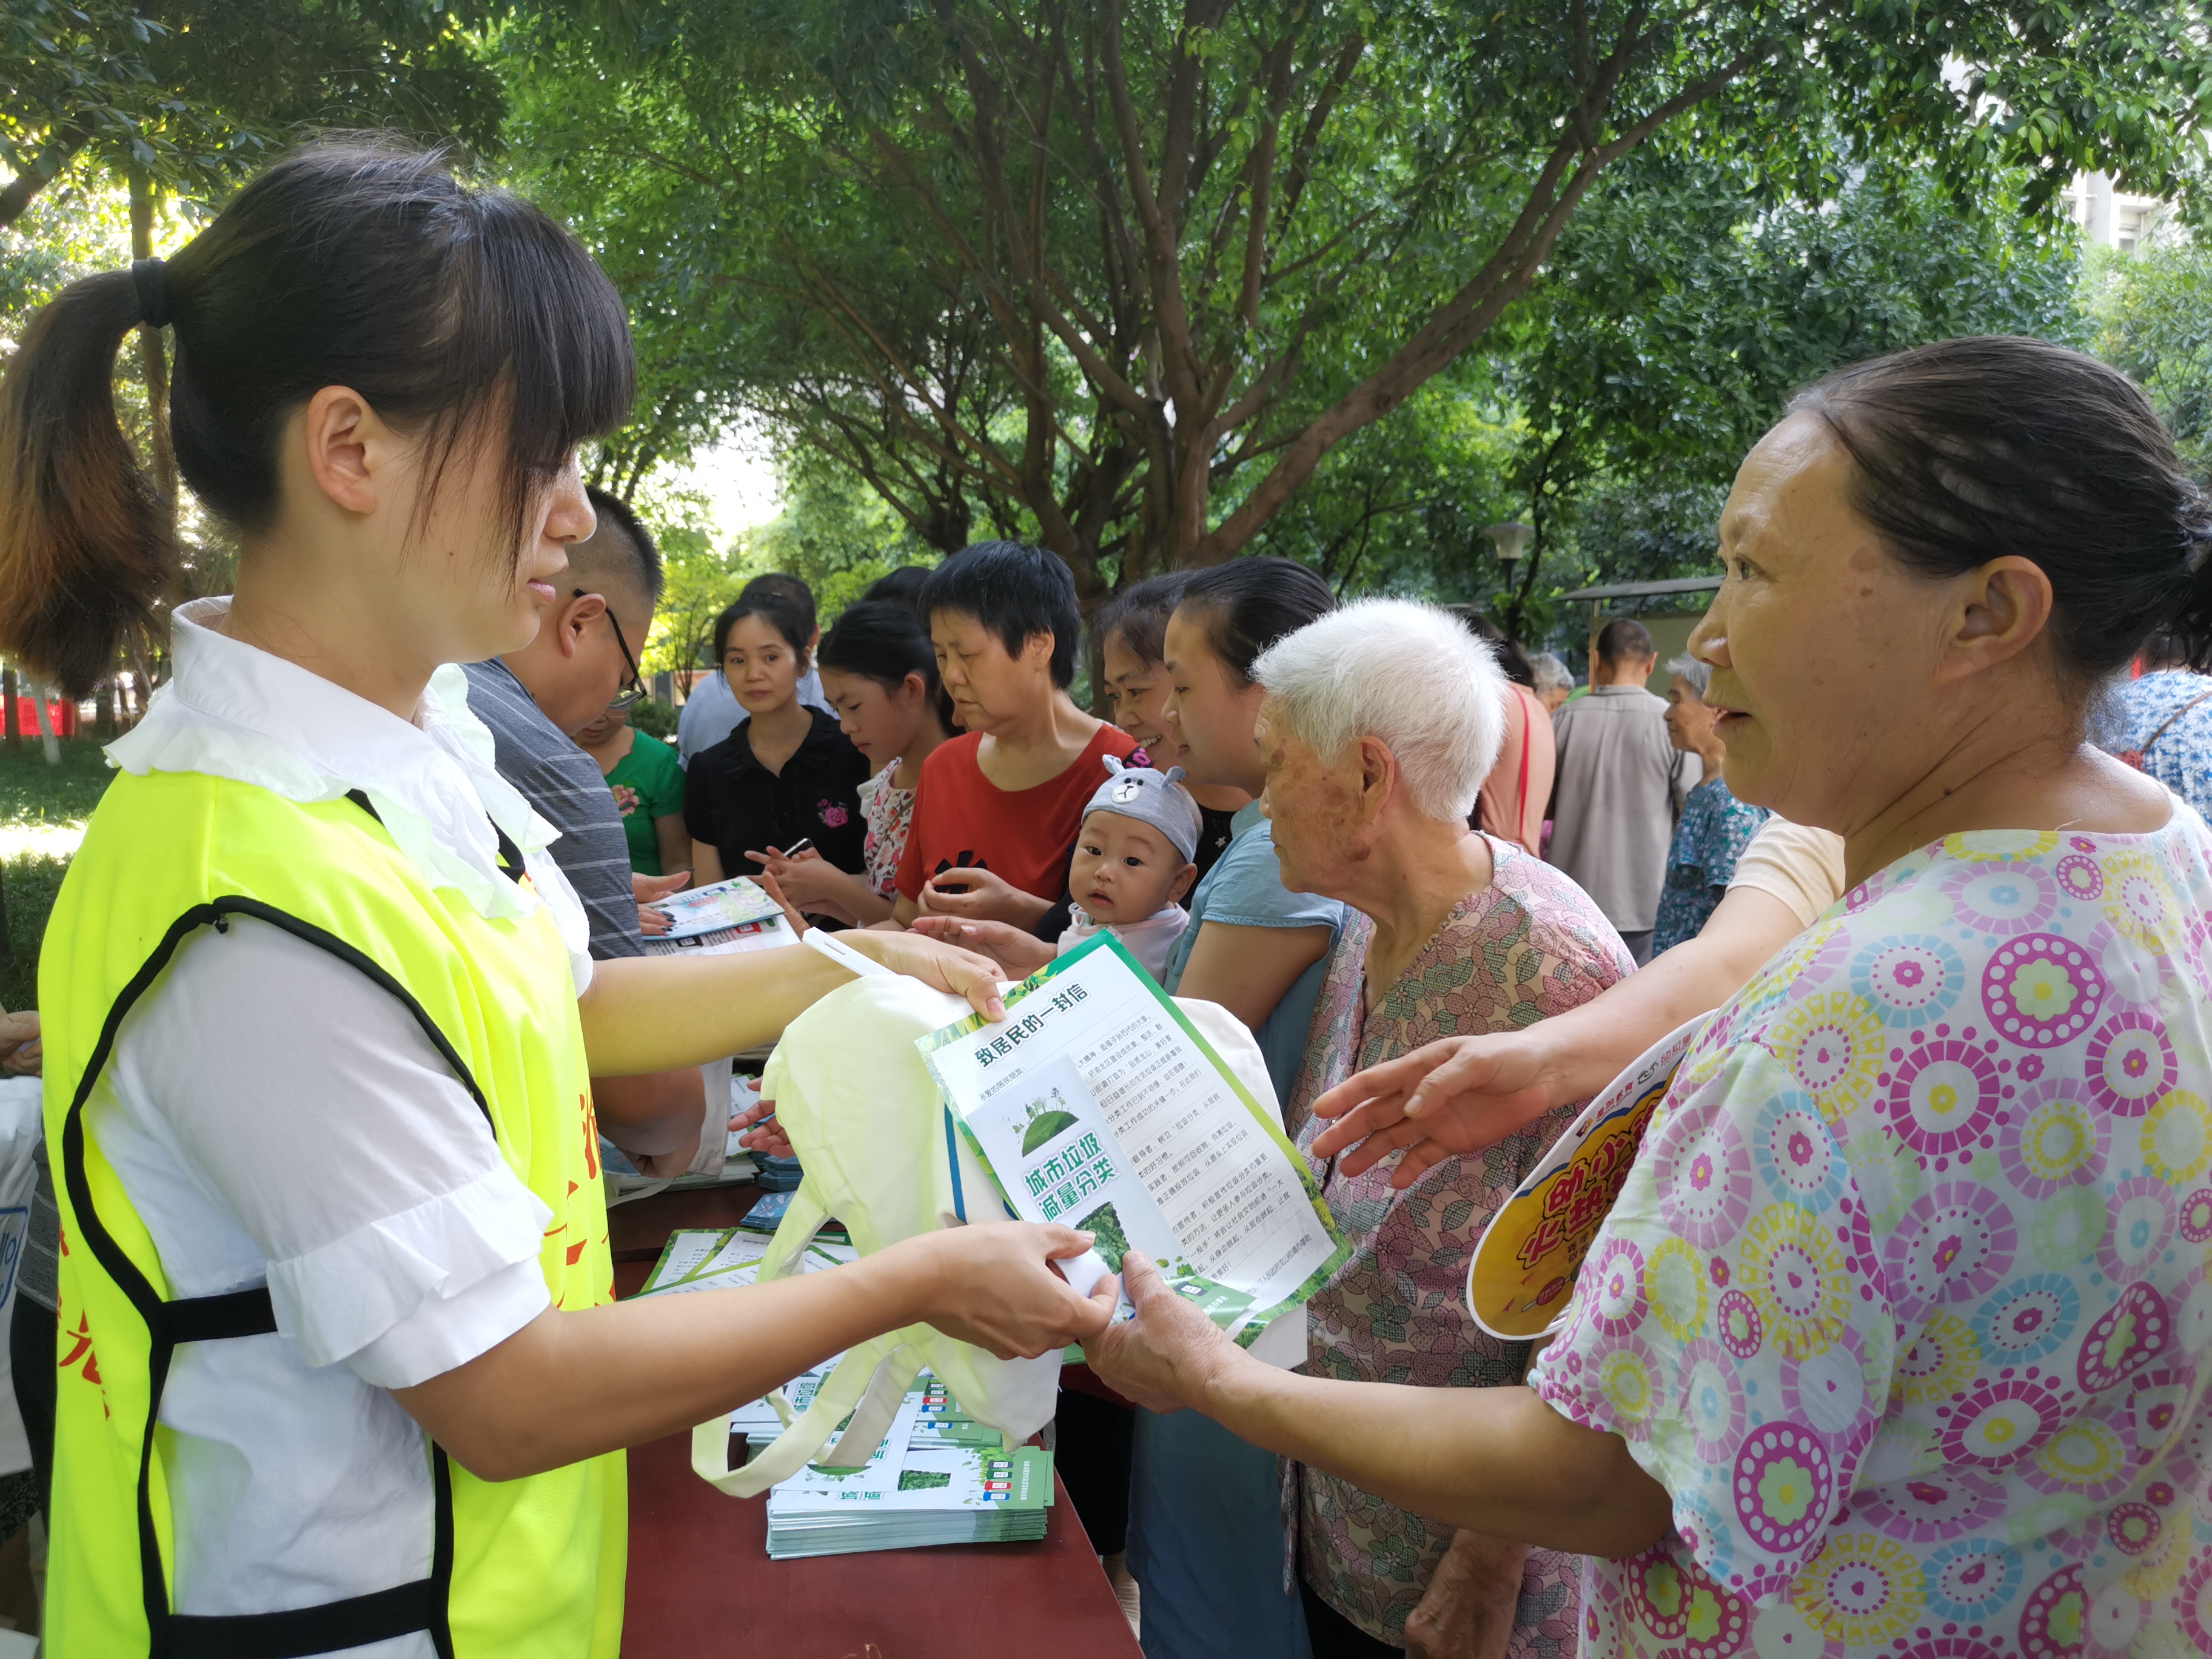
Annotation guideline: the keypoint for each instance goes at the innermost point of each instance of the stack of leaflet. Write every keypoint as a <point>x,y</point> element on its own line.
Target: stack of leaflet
<point>767,1215</point>
<point>778,1175</point>
<point>939,1478</point>
<point>702,1260</point>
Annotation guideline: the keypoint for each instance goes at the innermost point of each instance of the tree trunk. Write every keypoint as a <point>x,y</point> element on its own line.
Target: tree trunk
<point>154,365</point>
<point>13,720</point>
<point>58,153</point>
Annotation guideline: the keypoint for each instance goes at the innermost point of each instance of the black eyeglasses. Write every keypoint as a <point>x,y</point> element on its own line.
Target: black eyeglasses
<point>633,694</point>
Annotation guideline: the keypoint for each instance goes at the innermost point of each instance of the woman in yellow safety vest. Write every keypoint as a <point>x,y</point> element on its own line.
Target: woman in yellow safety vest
<point>339,1366</point>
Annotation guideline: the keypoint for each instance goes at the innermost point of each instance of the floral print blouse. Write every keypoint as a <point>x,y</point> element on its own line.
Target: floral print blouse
<point>888,811</point>
<point>1530,945</point>
<point>1715,828</point>
<point>1905,1302</point>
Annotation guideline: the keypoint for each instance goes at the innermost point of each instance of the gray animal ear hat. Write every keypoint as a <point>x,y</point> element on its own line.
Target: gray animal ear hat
<point>1153,797</point>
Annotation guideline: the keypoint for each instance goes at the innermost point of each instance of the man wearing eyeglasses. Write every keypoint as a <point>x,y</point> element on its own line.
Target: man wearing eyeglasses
<point>583,663</point>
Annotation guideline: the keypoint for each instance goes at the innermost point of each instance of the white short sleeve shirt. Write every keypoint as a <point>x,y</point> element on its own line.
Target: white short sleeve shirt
<point>277,1118</point>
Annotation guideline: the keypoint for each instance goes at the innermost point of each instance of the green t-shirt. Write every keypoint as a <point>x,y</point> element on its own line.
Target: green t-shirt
<point>648,784</point>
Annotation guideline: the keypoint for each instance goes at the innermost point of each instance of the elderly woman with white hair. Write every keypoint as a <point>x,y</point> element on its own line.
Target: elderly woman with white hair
<point>1379,724</point>
<point>1714,827</point>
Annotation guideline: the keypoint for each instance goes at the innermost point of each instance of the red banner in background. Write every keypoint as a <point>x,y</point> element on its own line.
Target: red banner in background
<point>61,717</point>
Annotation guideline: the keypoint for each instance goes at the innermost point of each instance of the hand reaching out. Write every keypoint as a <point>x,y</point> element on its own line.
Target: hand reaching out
<point>947,966</point>
<point>649,891</point>
<point>765,1137</point>
<point>993,1285</point>
<point>986,897</point>
<point>1020,953</point>
<point>1454,1095</point>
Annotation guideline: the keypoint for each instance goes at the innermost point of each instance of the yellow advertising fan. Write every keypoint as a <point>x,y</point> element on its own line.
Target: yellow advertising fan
<point>1523,1277</point>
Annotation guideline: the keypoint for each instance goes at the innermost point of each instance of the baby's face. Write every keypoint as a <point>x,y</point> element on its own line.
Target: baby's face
<point>1124,871</point>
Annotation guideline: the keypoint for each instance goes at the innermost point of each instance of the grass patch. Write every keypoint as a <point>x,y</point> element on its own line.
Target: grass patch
<point>32,791</point>
<point>36,796</point>
<point>32,882</point>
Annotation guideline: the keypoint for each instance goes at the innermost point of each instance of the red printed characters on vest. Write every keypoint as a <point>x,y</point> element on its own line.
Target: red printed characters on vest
<point>81,1336</point>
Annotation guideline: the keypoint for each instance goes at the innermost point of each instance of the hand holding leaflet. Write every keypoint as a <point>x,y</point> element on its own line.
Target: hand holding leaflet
<point>719,905</point>
<point>1097,1104</point>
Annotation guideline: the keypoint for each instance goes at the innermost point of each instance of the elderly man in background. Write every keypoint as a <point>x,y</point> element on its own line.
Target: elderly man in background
<point>582,662</point>
<point>1379,724</point>
<point>1622,784</point>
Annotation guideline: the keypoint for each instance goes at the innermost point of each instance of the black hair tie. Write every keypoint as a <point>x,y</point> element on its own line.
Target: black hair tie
<point>151,278</point>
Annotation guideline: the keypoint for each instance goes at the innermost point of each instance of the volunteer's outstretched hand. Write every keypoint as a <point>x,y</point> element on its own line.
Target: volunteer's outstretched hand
<point>993,1285</point>
<point>1453,1096</point>
<point>1167,1357</point>
<point>947,966</point>
<point>1019,951</point>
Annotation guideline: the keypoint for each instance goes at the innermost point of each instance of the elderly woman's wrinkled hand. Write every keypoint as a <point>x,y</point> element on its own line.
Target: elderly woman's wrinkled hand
<point>1455,1095</point>
<point>1167,1357</point>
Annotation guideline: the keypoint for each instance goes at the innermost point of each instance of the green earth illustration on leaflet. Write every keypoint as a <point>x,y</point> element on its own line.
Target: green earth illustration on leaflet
<point>922,1479</point>
<point>1112,1243</point>
<point>1046,1121</point>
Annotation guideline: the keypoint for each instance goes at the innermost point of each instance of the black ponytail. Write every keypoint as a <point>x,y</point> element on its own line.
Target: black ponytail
<point>84,547</point>
<point>453,311</point>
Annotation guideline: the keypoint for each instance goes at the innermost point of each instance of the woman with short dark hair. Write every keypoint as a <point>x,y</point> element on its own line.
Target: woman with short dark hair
<point>995,821</point>
<point>1896,1336</point>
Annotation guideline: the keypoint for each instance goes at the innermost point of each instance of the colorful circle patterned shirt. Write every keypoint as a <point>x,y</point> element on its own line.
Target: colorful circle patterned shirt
<point>1905,1302</point>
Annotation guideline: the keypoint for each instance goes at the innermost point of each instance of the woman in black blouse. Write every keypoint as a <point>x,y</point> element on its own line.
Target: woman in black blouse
<point>786,772</point>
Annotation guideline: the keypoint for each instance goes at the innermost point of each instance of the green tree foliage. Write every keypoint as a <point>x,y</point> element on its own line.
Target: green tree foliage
<point>190,94</point>
<point>1684,310</point>
<point>1120,274</point>
<point>2153,314</point>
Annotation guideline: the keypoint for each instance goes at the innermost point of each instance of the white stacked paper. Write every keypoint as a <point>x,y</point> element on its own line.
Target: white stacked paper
<point>927,1497</point>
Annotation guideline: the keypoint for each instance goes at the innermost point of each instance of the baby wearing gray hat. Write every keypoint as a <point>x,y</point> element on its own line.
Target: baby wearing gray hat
<point>1132,862</point>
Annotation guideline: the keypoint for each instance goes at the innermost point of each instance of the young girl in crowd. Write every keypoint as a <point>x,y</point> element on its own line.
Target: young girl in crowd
<point>880,674</point>
<point>1130,631</point>
<point>787,773</point>
<point>318,1017</point>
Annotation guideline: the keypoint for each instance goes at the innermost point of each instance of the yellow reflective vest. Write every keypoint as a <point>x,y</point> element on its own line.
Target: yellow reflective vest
<point>529,1567</point>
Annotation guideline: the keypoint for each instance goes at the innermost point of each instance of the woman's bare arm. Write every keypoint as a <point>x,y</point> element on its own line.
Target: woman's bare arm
<point>655,1013</point>
<point>1497,1461</point>
<point>1248,970</point>
<point>569,1386</point>
<point>1459,1095</point>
